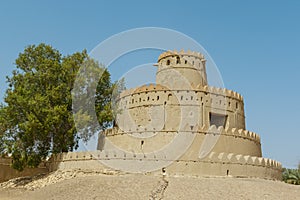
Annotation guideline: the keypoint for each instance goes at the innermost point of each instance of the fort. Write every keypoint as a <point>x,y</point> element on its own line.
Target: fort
<point>178,126</point>
<point>180,105</point>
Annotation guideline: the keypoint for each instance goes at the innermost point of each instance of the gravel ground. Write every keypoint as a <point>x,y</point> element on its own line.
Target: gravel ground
<point>73,185</point>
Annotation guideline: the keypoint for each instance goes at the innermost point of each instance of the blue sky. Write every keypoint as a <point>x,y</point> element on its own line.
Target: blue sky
<point>255,45</point>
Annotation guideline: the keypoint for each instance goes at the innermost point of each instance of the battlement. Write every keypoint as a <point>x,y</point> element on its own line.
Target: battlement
<point>215,164</point>
<point>222,157</point>
<point>243,159</point>
<point>181,53</point>
<point>198,88</point>
<point>213,130</point>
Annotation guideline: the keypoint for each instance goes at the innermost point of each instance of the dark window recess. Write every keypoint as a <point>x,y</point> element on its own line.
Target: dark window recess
<point>168,62</point>
<point>177,60</point>
<point>217,119</point>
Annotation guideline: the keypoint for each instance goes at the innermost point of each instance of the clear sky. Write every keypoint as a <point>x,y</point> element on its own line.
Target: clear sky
<point>255,44</point>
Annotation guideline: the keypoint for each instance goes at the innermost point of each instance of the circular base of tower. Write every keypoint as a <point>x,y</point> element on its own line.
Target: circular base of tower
<point>215,164</point>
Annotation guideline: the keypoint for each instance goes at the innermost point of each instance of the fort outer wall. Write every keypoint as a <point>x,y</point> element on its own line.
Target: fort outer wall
<point>215,164</point>
<point>7,172</point>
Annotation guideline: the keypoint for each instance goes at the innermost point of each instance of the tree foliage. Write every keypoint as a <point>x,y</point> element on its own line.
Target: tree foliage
<point>291,176</point>
<point>37,117</point>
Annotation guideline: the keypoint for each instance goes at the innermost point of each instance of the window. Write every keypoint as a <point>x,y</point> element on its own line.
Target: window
<point>177,60</point>
<point>168,62</point>
<point>217,119</point>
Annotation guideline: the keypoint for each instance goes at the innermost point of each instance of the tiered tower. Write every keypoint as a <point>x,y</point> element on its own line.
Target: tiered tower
<point>182,105</point>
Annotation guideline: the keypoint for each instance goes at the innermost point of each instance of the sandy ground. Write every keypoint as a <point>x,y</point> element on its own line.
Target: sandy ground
<point>73,185</point>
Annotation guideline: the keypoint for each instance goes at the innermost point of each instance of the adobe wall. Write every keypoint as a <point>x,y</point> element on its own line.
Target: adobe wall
<point>154,107</point>
<point>215,164</point>
<point>188,67</point>
<point>229,140</point>
<point>7,172</point>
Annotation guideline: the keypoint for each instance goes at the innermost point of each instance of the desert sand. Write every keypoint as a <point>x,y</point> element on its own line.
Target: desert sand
<point>73,185</point>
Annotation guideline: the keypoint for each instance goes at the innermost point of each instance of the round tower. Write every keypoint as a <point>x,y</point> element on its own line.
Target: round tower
<point>181,70</point>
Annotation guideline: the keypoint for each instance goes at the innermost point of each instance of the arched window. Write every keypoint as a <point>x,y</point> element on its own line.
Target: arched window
<point>169,96</point>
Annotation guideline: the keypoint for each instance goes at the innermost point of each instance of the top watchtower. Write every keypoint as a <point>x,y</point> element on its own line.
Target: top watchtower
<point>181,70</point>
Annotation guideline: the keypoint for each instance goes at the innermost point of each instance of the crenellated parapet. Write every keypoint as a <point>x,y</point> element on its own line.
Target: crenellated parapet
<point>213,130</point>
<point>215,164</point>
<point>155,88</point>
<point>226,157</point>
<point>181,53</point>
<point>223,157</point>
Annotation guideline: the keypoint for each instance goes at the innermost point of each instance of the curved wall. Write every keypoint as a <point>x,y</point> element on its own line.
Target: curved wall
<point>156,108</point>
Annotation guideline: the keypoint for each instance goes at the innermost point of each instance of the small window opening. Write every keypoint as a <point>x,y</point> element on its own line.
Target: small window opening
<point>177,60</point>
<point>132,101</point>
<point>168,62</point>
<point>185,62</point>
<point>227,172</point>
<point>217,119</point>
<point>192,97</point>
<point>157,97</point>
<point>163,170</point>
<point>169,96</point>
<point>237,105</point>
<point>181,97</point>
<point>148,98</point>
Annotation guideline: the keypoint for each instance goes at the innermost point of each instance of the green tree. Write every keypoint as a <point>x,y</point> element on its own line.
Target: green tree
<point>37,117</point>
<point>291,176</point>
